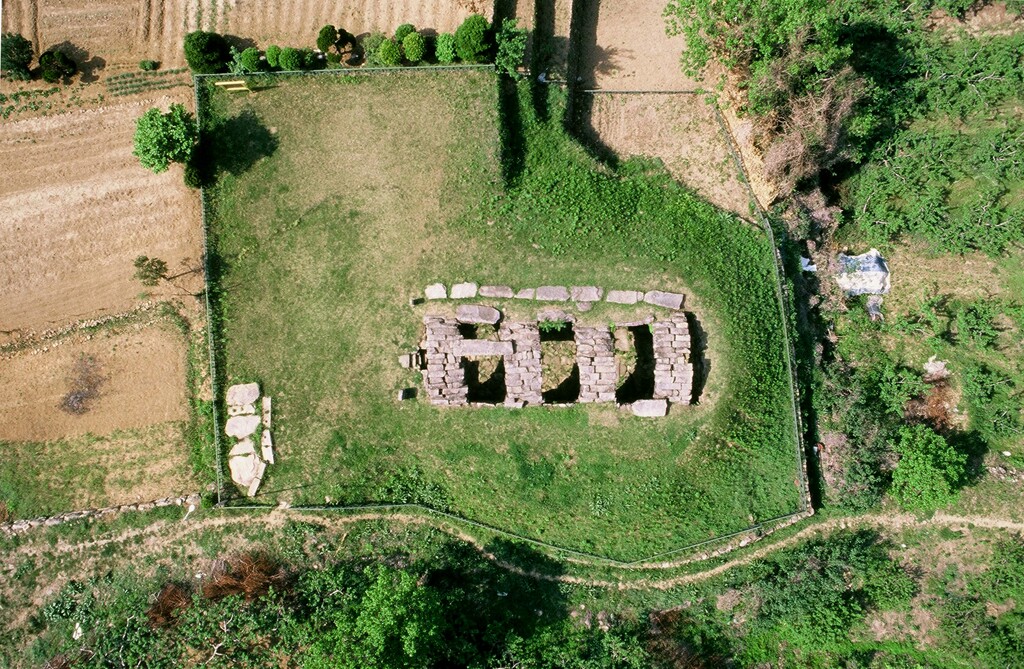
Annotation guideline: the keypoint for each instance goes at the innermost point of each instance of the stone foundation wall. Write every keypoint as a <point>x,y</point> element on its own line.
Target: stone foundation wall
<point>595,355</point>
<point>444,376</point>
<point>522,366</point>
<point>673,370</point>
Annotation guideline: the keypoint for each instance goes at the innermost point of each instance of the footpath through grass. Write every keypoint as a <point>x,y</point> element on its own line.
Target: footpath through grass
<point>344,196</point>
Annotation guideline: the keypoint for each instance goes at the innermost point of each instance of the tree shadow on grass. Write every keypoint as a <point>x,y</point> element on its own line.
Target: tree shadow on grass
<point>233,145</point>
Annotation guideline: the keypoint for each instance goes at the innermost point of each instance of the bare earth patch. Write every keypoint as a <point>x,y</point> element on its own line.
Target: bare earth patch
<point>143,368</point>
<point>78,208</point>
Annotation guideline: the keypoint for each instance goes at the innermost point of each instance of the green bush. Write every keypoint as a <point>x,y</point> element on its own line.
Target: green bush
<point>149,65</point>
<point>161,139</point>
<point>327,38</point>
<point>56,65</point>
<point>403,31</point>
<point>333,58</point>
<point>471,39</point>
<point>290,59</point>
<point>444,48</point>
<point>511,47</point>
<point>371,45</point>
<point>206,52</point>
<point>388,55</point>
<point>415,47</point>
<point>273,55</point>
<point>15,56</point>
<point>929,472</point>
<point>993,402</point>
<point>250,59</point>
<point>312,60</point>
<point>975,323</point>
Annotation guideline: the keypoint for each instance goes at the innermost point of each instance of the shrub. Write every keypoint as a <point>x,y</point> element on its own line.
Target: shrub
<point>371,45</point>
<point>333,58</point>
<point>56,65</point>
<point>148,65</point>
<point>206,53</point>
<point>415,47</point>
<point>444,48</point>
<point>388,55</point>
<point>161,139</point>
<point>290,59</point>
<point>929,470</point>
<point>273,55</point>
<point>250,60</point>
<point>15,56</point>
<point>511,47</point>
<point>312,60</point>
<point>471,39</point>
<point>404,31</point>
<point>327,38</point>
<point>193,175</point>
<point>975,323</point>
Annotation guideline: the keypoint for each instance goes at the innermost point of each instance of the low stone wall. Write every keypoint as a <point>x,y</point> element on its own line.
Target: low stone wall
<point>522,367</point>
<point>673,369</point>
<point>583,296</point>
<point>595,356</point>
<point>49,521</point>
<point>444,376</point>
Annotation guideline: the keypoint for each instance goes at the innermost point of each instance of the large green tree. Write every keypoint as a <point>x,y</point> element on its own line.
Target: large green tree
<point>165,138</point>
<point>206,53</point>
<point>15,56</point>
<point>511,47</point>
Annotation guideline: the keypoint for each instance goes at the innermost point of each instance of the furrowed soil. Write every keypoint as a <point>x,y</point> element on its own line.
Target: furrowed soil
<point>78,208</point>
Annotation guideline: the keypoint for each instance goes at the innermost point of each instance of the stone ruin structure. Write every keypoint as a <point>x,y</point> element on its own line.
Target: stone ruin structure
<point>246,463</point>
<point>445,350</point>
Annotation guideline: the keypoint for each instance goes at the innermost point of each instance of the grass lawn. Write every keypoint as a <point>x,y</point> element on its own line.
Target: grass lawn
<point>344,196</point>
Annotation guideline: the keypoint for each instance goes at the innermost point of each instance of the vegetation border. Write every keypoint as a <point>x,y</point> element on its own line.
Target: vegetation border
<point>760,530</point>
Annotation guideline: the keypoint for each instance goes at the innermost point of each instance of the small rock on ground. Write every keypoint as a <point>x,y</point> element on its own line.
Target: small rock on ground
<point>477,313</point>
<point>243,393</point>
<point>496,291</point>
<point>650,408</point>
<point>661,299</point>
<point>462,291</point>
<point>435,291</point>
<point>624,296</point>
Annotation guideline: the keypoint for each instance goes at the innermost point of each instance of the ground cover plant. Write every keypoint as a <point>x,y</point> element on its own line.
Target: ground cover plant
<point>319,244</point>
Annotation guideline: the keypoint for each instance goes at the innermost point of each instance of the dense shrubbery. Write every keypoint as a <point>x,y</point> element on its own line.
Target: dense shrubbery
<point>149,65</point>
<point>444,48</point>
<point>161,139</point>
<point>414,46</point>
<point>472,39</point>
<point>15,56</point>
<point>206,52</point>
<point>388,54</point>
<point>511,47</point>
<point>56,65</point>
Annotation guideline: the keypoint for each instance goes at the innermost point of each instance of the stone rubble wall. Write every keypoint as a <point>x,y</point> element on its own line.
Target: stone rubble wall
<point>49,521</point>
<point>444,376</point>
<point>673,370</point>
<point>583,296</point>
<point>595,356</point>
<point>522,367</point>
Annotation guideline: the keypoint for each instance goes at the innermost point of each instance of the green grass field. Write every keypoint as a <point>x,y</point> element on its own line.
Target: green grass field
<point>342,197</point>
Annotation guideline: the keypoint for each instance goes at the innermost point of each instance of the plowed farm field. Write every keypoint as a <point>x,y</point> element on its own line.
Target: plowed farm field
<point>119,33</point>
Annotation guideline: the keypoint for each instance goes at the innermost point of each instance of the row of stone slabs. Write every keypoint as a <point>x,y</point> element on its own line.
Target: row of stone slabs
<point>444,350</point>
<point>246,464</point>
<point>582,295</point>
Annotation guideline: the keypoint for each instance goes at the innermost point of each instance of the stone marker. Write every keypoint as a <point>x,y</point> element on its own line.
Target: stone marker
<point>243,393</point>
<point>650,408</point>
<point>553,293</point>
<point>435,291</point>
<point>477,313</point>
<point>241,426</point>
<point>244,447</point>
<point>526,294</point>
<point>496,291</point>
<point>661,299</point>
<point>624,296</point>
<point>266,412</point>
<point>462,291</point>
<point>586,293</point>
<point>471,347</point>
<point>267,447</point>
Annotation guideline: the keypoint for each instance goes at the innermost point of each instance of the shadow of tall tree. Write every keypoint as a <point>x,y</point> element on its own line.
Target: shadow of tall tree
<point>233,145</point>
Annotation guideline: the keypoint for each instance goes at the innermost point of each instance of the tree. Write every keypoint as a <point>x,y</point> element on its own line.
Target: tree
<point>444,49</point>
<point>206,53</point>
<point>273,54</point>
<point>290,59</point>
<point>388,55</point>
<point>371,45</point>
<point>415,47</point>
<point>511,47</point>
<point>471,39</point>
<point>161,139</point>
<point>327,38</point>
<point>149,271</point>
<point>56,65</point>
<point>929,470</point>
<point>404,31</point>
<point>15,56</point>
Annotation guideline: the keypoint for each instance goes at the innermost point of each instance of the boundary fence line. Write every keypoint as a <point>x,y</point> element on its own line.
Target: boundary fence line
<point>805,509</point>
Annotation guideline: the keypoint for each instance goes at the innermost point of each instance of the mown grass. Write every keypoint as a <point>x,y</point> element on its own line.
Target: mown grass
<point>358,191</point>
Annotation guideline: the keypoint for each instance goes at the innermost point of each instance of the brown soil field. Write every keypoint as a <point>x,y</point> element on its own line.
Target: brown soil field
<point>117,34</point>
<point>682,131</point>
<point>78,208</point>
<point>142,367</point>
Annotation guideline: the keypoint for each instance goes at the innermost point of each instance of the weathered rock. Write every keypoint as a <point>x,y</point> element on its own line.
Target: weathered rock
<point>553,293</point>
<point>261,468</point>
<point>241,426</point>
<point>527,294</point>
<point>436,291</point>
<point>462,291</point>
<point>244,447</point>
<point>477,313</point>
<point>496,291</point>
<point>245,410</point>
<point>266,412</point>
<point>586,293</point>
<point>267,447</point>
<point>482,347</point>
<point>243,469</point>
<point>624,296</point>
<point>407,360</point>
<point>243,393</point>
<point>555,316</point>
<point>650,408</point>
<point>662,299</point>
<point>584,306</point>
<point>646,320</point>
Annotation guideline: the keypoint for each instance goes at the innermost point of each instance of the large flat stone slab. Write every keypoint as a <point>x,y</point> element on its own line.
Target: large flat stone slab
<point>243,469</point>
<point>526,294</point>
<point>463,291</point>
<point>650,408</point>
<point>241,427</point>
<point>243,447</point>
<point>662,299</point>
<point>243,393</point>
<point>436,291</point>
<point>555,315</point>
<point>624,296</point>
<point>266,412</point>
<point>553,293</point>
<point>586,293</point>
<point>267,447</point>
<point>496,291</point>
<point>477,313</point>
<point>261,468</point>
<point>472,347</point>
